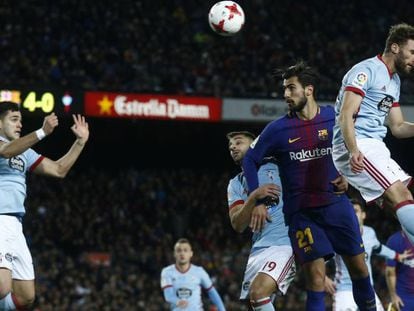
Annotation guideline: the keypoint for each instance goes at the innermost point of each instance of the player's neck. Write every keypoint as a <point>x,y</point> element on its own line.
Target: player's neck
<point>388,60</point>
<point>309,111</point>
<point>183,267</point>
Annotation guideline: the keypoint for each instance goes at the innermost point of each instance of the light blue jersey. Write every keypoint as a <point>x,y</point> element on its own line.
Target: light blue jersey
<point>274,232</point>
<point>380,90</point>
<point>13,180</point>
<point>371,243</point>
<point>187,285</point>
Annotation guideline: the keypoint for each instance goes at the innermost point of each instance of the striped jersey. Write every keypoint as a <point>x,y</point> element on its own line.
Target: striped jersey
<point>303,149</point>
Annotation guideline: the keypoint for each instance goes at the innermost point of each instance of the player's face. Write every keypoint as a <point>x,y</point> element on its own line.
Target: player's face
<point>11,125</point>
<point>294,94</point>
<point>359,213</point>
<point>183,253</point>
<point>404,61</point>
<point>238,146</point>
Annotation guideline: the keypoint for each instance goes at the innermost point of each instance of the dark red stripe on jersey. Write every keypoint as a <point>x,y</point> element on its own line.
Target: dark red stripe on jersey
<point>260,303</point>
<point>34,165</point>
<point>236,203</point>
<point>396,104</point>
<point>166,286</point>
<point>207,289</point>
<point>388,68</point>
<point>355,90</point>
<point>403,203</point>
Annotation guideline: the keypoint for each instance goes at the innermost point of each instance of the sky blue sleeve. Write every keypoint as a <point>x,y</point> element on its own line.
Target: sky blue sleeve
<point>216,299</point>
<point>170,296</point>
<point>261,147</point>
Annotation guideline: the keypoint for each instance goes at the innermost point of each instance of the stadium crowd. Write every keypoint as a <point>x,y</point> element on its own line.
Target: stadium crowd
<point>168,47</point>
<point>134,216</point>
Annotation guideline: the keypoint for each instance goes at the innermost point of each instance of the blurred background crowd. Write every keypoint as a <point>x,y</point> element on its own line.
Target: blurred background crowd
<point>132,218</point>
<point>100,237</point>
<point>168,47</point>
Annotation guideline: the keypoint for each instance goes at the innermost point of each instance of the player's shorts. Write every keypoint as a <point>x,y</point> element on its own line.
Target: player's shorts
<point>277,262</point>
<point>344,301</point>
<point>380,170</point>
<point>14,252</point>
<point>323,231</point>
<point>408,301</point>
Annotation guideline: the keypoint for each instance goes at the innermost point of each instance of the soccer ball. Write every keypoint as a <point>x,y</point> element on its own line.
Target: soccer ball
<point>226,18</point>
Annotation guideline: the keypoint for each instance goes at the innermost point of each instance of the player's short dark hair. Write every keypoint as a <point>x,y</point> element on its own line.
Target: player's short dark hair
<point>8,106</point>
<point>399,34</point>
<point>306,75</point>
<point>248,134</point>
<point>183,241</point>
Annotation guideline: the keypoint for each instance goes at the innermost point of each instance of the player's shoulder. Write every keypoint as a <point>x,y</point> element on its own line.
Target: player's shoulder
<point>168,269</point>
<point>237,179</point>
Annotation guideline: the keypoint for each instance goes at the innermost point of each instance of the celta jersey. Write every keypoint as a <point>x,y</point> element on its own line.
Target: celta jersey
<point>380,91</point>
<point>13,180</point>
<point>275,232</point>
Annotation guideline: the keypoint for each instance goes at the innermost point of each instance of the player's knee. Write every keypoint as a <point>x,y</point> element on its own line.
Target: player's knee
<point>258,292</point>
<point>24,301</point>
<point>262,286</point>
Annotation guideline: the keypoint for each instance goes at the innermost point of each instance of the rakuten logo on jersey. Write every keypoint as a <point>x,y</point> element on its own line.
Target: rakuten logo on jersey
<point>308,155</point>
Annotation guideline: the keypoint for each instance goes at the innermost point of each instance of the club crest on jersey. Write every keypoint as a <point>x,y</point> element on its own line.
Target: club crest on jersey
<point>360,79</point>
<point>16,163</point>
<point>323,134</point>
<point>386,103</point>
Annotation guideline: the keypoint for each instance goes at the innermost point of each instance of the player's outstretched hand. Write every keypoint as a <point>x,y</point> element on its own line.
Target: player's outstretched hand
<point>330,287</point>
<point>50,123</point>
<point>357,162</point>
<point>80,128</point>
<point>268,190</point>
<point>340,185</point>
<point>396,301</point>
<point>258,218</point>
<point>405,255</point>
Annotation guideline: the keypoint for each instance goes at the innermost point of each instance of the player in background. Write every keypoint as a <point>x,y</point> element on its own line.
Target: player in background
<point>17,285</point>
<point>369,93</point>
<point>341,288</point>
<point>270,268</point>
<point>182,282</point>
<point>399,275</point>
<point>321,221</point>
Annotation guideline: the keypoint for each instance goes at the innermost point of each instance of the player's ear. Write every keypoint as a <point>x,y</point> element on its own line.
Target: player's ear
<point>309,90</point>
<point>395,48</point>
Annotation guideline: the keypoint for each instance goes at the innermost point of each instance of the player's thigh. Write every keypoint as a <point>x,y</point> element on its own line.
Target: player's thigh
<point>356,265</point>
<point>276,270</point>
<point>5,282</point>
<point>344,301</point>
<point>342,228</point>
<point>308,239</point>
<point>24,291</point>
<point>380,171</point>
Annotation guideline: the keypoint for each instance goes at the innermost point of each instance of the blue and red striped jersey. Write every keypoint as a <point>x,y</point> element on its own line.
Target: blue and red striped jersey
<point>303,150</point>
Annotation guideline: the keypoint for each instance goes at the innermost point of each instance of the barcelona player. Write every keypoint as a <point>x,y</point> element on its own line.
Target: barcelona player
<point>321,221</point>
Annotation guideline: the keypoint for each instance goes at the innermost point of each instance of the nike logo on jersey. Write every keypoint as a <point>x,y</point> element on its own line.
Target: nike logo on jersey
<point>292,140</point>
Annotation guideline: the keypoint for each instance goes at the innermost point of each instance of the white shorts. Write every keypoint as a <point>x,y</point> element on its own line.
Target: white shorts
<point>14,252</point>
<point>276,261</point>
<point>344,301</point>
<point>380,170</point>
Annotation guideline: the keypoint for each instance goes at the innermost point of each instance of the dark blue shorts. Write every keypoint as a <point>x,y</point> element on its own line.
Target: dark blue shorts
<point>320,232</point>
<point>408,302</point>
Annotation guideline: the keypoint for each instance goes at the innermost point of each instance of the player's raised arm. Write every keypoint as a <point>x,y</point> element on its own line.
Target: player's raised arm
<point>61,167</point>
<point>10,129</point>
